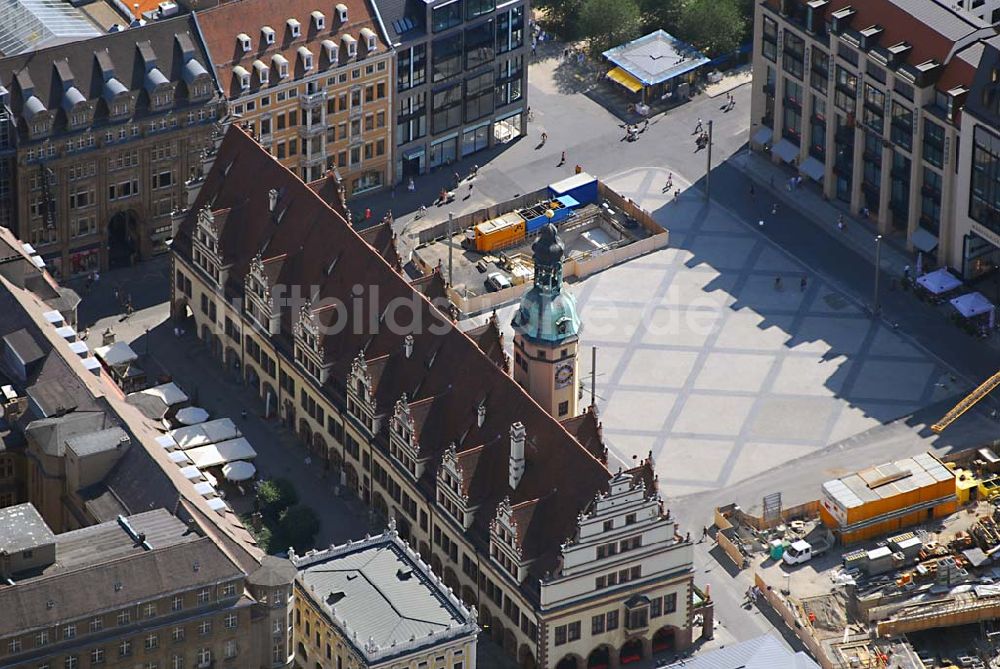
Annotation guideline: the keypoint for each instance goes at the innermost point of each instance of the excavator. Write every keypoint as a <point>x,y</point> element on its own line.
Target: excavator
<point>970,401</point>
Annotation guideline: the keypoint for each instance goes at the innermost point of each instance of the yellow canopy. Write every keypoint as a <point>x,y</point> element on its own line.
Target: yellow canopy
<point>622,77</point>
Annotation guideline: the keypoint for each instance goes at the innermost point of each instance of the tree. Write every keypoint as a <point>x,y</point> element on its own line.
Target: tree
<point>274,496</point>
<point>608,23</point>
<point>560,17</point>
<point>661,15</point>
<point>298,527</point>
<point>714,26</point>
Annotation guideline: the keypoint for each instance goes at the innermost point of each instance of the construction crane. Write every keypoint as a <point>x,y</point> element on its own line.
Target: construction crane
<point>970,401</point>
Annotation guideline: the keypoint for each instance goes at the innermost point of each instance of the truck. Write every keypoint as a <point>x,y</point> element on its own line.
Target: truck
<point>802,550</point>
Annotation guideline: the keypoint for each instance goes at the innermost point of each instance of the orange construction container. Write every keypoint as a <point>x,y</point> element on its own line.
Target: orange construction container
<point>499,232</point>
<point>888,497</point>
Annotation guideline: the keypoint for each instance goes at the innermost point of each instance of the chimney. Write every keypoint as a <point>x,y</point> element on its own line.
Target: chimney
<point>408,345</point>
<point>481,415</point>
<point>517,435</point>
<point>272,200</point>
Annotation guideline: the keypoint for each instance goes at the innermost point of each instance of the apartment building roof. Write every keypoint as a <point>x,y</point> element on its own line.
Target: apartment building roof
<point>932,30</point>
<point>114,574</point>
<point>22,528</point>
<point>383,600</point>
<point>234,34</point>
<point>458,396</point>
<point>91,75</point>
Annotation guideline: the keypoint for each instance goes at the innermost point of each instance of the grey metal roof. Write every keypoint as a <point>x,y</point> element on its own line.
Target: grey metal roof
<point>51,433</point>
<point>656,57</point>
<point>26,25</point>
<point>763,652</point>
<point>274,571</point>
<point>22,528</point>
<point>98,442</point>
<point>380,595</point>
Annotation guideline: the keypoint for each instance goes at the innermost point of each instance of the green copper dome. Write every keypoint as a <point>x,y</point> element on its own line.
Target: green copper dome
<point>548,312</point>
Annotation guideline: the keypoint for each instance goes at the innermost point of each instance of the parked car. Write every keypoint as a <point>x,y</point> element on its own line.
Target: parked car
<point>497,281</point>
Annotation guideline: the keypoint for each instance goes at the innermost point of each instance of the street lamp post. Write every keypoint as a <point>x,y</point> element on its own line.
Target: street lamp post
<point>708,165</point>
<point>878,272</point>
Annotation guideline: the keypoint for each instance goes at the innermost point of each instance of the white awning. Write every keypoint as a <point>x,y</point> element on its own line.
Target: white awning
<point>180,458</point>
<point>214,455</point>
<point>972,304</point>
<point>167,442</point>
<point>763,135</point>
<point>168,393</point>
<point>939,281</point>
<point>813,169</point>
<point>116,354</point>
<point>924,240</point>
<point>191,473</point>
<point>212,432</point>
<point>786,150</point>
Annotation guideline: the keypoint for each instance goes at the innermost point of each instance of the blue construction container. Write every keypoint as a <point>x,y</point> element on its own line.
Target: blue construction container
<point>535,217</point>
<point>581,187</point>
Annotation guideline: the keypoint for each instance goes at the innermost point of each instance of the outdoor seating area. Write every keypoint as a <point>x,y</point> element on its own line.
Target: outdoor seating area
<point>970,310</point>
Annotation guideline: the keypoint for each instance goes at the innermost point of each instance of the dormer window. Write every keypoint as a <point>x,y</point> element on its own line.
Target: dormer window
<point>280,63</point>
<point>244,42</point>
<point>332,53</point>
<point>243,77</point>
<point>342,12</point>
<point>267,35</point>
<point>262,71</point>
<point>319,20</point>
<point>369,37</point>
<point>305,55</point>
<point>352,46</point>
<point>294,28</point>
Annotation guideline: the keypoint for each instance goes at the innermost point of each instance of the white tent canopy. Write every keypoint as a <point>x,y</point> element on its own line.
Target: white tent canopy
<point>238,471</point>
<point>168,393</point>
<point>214,455</point>
<point>212,432</point>
<point>116,354</point>
<point>939,281</point>
<point>972,304</point>
<point>191,416</point>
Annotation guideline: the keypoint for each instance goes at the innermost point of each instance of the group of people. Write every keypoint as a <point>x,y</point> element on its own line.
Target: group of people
<point>632,130</point>
<point>730,103</point>
<point>701,139</point>
<point>751,595</point>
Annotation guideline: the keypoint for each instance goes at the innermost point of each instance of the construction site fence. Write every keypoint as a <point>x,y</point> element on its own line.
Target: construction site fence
<point>780,605</point>
<point>964,612</point>
<point>630,208</point>
<point>730,548</point>
<point>580,266</point>
<point>738,516</point>
<point>440,231</point>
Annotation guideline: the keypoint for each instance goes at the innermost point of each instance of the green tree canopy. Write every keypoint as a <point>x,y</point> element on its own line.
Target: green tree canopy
<point>714,26</point>
<point>608,23</point>
<point>298,527</point>
<point>274,496</point>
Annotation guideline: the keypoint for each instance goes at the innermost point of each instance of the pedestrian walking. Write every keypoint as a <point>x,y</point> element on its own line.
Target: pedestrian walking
<point>774,209</point>
<point>118,297</point>
<point>410,186</point>
<point>475,171</point>
<point>751,189</point>
<point>840,223</point>
<point>802,283</point>
<point>545,136</point>
<point>777,283</point>
<point>698,128</point>
<point>562,159</point>
<point>458,179</point>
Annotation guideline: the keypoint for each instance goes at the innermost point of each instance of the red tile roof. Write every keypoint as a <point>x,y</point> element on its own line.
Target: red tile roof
<point>221,25</point>
<point>446,377</point>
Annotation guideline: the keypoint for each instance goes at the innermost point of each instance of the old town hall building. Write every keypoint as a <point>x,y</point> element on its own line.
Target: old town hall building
<point>570,562</point>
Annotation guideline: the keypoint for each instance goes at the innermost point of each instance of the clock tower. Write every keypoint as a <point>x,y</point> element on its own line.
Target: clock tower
<point>546,332</point>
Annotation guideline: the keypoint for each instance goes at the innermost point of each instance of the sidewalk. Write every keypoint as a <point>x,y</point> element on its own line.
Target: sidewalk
<point>808,200</point>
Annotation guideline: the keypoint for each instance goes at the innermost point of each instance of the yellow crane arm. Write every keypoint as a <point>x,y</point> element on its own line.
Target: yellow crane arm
<point>970,401</point>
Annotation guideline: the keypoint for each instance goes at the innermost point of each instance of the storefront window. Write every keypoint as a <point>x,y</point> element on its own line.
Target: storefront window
<point>984,193</point>
<point>444,152</point>
<point>475,139</point>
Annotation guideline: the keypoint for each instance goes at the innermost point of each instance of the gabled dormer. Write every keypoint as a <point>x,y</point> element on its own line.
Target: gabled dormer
<point>450,489</point>
<point>403,445</point>
<point>117,97</point>
<point>37,118</point>
<point>360,396</point>
<point>505,544</point>
<point>259,304</point>
<point>159,89</point>
<point>309,351</point>
<point>196,78</point>
<point>205,245</point>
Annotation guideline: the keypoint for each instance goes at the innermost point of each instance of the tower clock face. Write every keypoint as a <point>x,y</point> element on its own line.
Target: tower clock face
<point>564,375</point>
